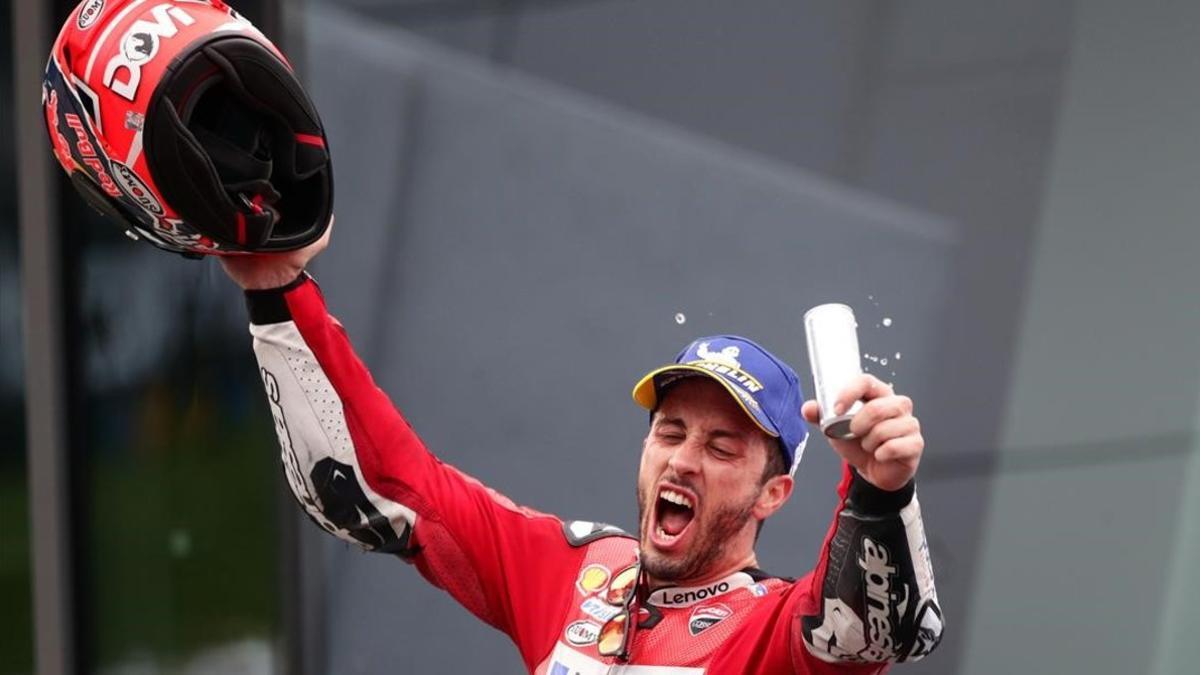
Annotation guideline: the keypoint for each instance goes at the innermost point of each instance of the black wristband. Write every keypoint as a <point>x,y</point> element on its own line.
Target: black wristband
<point>268,305</point>
<point>867,499</point>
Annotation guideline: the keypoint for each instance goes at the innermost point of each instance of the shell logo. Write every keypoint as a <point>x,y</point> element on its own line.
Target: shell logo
<point>592,578</point>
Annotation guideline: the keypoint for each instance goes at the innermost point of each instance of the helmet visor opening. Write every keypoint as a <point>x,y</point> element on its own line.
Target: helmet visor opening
<point>254,154</point>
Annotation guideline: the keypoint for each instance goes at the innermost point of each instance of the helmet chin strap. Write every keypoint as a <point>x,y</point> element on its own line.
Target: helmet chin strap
<point>259,204</point>
<point>242,156</point>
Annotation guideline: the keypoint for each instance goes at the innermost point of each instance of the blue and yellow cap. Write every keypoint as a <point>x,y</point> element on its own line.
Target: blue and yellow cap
<point>764,386</point>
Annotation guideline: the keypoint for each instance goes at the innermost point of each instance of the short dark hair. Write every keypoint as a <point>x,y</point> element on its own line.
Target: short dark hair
<point>776,466</point>
<point>776,462</point>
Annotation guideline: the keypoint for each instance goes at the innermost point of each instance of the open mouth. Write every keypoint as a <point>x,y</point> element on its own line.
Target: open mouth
<point>674,511</point>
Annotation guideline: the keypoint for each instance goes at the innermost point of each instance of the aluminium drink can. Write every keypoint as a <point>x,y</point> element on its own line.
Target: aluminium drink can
<point>834,358</point>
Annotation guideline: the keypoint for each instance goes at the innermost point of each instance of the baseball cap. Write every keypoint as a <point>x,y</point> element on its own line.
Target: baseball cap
<point>765,387</point>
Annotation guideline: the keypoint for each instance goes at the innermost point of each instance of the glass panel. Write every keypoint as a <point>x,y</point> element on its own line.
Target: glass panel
<point>179,473</point>
<point>16,621</point>
<point>176,465</point>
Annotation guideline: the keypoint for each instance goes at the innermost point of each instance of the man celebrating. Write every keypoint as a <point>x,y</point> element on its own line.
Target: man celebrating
<point>195,136</point>
<point>578,598</point>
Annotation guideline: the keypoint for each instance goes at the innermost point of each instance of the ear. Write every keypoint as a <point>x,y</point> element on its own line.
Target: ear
<point>774,493</point>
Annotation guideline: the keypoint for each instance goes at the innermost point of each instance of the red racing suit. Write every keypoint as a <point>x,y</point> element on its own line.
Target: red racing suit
<point>361,473</point>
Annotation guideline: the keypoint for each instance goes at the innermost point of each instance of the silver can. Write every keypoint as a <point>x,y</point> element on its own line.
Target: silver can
<point>834,358</point>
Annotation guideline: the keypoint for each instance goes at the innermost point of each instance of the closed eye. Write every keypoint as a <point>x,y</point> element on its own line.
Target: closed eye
<point>722,453</point>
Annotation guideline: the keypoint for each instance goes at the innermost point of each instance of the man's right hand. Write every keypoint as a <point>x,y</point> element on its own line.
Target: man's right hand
<point>272,270</point>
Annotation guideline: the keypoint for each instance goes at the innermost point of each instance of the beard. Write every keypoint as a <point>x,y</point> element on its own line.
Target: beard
<point>707,547</point>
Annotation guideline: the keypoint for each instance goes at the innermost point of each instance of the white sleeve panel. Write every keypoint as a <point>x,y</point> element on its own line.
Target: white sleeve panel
<point>316,447</point>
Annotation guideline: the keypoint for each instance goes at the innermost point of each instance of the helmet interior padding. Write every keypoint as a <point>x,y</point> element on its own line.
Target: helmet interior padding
<point>237,148</point>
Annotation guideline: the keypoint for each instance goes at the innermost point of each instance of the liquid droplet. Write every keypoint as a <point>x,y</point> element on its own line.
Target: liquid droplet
<point>887,321</point>
<point>870,297</point>
<point>897,356</point>
<point>179,543</point>
<point>883,362</point>
<point>680,319</point>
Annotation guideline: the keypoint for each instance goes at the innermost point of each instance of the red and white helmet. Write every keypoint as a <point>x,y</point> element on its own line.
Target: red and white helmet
<point>185,124</point>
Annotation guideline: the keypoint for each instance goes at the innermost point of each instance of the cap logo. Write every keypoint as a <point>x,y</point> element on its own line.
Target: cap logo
<point>725,362</point>
<point>727,356</point>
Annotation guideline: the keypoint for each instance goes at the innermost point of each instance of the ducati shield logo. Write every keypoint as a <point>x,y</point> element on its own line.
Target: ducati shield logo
<point>706,617</point>
<point>89,13</point>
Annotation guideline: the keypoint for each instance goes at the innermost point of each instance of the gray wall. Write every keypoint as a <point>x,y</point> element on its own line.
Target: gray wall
<point>510,257</point>
<point>1091,542</point>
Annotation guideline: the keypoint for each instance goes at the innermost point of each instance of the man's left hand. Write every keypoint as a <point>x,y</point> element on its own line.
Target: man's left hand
<point>887,443</point>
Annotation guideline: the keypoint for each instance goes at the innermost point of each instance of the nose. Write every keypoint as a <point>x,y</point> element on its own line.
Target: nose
<point>685,459</point>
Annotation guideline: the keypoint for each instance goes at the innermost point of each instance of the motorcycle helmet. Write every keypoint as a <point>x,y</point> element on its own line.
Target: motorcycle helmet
<point>183,123</point>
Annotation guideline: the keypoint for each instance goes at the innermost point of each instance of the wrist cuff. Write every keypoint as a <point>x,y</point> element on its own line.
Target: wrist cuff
<point>867,499</point>
<point>269,306</point>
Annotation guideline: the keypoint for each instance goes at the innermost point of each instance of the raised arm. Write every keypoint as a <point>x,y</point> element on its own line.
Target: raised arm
<point>361,473</point>
<point>874,589</point>
<point>873,586</point>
